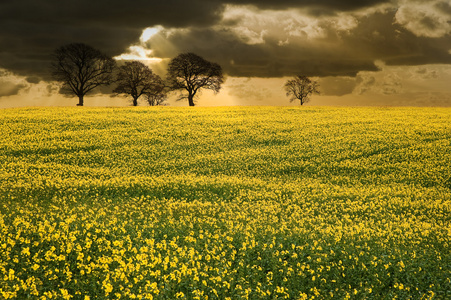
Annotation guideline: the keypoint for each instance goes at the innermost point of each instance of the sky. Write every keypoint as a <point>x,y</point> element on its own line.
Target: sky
<point>361,52</point>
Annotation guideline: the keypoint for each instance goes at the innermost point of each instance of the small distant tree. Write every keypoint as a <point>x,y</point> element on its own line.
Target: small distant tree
<point>157,99</point>
<point>300,88</point>
<point>136,79</point>
<point>191,73</point>
<point>81,68</point>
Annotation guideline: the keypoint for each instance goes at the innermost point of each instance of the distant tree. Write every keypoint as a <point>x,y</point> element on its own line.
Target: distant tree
<point>300,88</point>
<point>157,99</point>
<point>159,94</point>
<point>81,68</point>
<point>191,73</point>
<point>136,79</point>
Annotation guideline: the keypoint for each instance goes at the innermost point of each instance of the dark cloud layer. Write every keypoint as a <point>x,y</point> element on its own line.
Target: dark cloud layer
<point>30,30</point>
<point>334,53</point>
<point>318,6</point>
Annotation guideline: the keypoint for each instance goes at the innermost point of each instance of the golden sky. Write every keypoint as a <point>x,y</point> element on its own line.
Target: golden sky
<point>365,52</point>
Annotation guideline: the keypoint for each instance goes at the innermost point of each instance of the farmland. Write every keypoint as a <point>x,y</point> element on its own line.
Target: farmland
<point>225,203</point>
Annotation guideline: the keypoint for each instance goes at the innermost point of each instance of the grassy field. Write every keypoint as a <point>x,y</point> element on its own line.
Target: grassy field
<point>225,203</point>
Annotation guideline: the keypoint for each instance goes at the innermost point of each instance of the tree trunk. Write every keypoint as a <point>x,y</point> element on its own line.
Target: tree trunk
<point>191,100</point>
<point>135,101</point>
<point>80,100</point>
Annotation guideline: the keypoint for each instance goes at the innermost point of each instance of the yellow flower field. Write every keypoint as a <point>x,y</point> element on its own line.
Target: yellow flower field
<point>225,203</point>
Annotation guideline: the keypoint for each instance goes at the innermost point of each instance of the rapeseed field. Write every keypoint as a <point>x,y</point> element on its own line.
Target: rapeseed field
<point>225,203</point>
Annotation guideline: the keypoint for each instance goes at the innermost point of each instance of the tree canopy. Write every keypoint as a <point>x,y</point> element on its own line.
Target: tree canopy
<point>136,79</point>
<point>300,88</point>
<point>81,68</point>
<point>191,73</point>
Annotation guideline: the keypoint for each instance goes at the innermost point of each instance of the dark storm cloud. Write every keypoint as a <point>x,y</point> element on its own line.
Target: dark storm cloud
<point>134,14</point>
<point>377,38</point>
<point>334,52</point>
<point>374,37</point>
<point>320,6</point>
<point>30,30</point>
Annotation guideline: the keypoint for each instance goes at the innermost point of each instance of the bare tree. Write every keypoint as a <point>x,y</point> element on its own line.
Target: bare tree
<point>191,73</point>
<point>81,68</point>
<point>159,94</point>
<point>300,88</point>
<point>136,79</point>
<point>157,99</point>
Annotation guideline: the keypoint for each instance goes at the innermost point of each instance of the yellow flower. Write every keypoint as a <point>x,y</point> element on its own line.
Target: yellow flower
<point>107,287</point>
<point>11,274</point>
<point>26,251</point>
<point>65,294</point>
<point>302,296</point>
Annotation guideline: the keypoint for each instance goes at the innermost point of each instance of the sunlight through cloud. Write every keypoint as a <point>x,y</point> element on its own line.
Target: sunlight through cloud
<point>150,32</point>
<point>138,53</point>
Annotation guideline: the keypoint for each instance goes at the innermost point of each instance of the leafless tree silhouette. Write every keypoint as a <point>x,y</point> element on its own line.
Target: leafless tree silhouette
<point>191,73</point>
<point>81,68</point>
<point>157,99</point>
<point>136,79</point>
<point>300,88</point>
